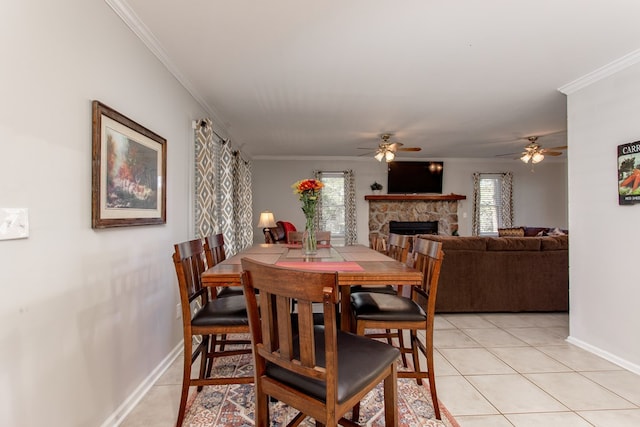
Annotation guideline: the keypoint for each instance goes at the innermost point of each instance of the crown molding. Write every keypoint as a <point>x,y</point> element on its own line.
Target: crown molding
<point>124,11</point>
<point>620,64</point>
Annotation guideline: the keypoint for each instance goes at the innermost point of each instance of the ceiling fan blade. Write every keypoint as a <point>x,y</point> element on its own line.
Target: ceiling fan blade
<point>564,147</point>
<point>552,153</point>
<point>511,154</point>
<point>410,149</point>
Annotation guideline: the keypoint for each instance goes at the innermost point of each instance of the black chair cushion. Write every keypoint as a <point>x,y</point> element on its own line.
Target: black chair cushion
<point>227,291</point>
<point>230,311</point>
<point>373,306</point>
<point>390,290</point>
<point>359,360</point>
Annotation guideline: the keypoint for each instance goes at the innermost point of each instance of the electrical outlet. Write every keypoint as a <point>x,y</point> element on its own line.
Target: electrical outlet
<point>178,311</point>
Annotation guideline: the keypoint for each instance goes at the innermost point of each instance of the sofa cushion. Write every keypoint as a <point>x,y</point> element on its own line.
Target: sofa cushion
<point>471,243</point>
<point>554,243</point>
<point>534,231</point>
<point>511,232</point>
<point>513,244</point>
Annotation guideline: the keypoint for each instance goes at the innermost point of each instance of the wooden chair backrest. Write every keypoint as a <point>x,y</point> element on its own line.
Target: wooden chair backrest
<point>377,242</point>
<point>214,249</point>
<point>189,262</point>
<point>398,247</point>
<point>323,238</point>
<point>274,337</point>
<point>428,257</point>
<point>294,237</point>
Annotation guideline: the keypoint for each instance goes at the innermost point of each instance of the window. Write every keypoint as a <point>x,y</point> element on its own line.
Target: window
<point>332,209</point>
<point>337,206</point>
<point>492,203</point>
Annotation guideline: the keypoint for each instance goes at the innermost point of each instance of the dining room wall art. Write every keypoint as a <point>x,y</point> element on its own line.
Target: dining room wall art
<point>629,173</point>
<point>129,172</point>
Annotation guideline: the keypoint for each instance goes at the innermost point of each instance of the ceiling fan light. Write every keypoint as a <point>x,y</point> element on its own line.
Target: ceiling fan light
<point>525,158</point>
<point>537,158</point>
<point>389,156</point>
<point>379,155</point>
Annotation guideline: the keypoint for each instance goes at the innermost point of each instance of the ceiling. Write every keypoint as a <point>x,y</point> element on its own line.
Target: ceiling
<point>325,78</point>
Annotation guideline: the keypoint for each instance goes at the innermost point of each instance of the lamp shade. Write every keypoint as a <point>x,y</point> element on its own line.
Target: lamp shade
<point>537,158</point>
<point>266,220</point>
<point>389,156</point>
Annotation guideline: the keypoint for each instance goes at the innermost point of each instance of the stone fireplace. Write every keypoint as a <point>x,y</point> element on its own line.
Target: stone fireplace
<point>413,208</point>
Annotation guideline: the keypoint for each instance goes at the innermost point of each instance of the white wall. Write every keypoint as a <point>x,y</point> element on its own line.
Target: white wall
<point>85,315</point>
<point>540,197</point>
<point>604,236</point>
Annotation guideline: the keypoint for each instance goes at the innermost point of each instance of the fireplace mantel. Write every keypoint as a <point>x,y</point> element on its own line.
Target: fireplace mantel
<point>414,197</point>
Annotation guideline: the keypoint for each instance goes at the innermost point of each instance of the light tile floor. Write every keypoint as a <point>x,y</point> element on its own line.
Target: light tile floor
<point>496,370</point>
<point>493,370</point>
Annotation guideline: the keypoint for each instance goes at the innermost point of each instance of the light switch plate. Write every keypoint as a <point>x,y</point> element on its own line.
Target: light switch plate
<point>14,223</point>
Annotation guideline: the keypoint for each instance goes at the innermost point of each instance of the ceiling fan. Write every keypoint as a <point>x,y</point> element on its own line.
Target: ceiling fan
<point>534,153</point>
<point>387,150</point>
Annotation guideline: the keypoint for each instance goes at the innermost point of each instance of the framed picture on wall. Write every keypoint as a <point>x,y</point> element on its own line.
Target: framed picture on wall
<point>129,172</point>
<point>629,173</point>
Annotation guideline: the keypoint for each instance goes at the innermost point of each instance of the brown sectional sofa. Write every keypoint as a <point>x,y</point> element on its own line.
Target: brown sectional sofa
<point>503,274</point>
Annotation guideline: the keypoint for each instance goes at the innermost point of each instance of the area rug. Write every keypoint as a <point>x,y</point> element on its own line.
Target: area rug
<point>233,405</point>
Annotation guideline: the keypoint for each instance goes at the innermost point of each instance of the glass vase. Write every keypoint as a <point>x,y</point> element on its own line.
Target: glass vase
<point>309,242</point>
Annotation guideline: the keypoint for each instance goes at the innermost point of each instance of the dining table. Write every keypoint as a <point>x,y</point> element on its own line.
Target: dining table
<point>354,264</point>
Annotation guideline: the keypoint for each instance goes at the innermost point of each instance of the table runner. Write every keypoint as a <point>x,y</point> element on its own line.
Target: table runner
<point>321,266</point>
<point>364,256</point>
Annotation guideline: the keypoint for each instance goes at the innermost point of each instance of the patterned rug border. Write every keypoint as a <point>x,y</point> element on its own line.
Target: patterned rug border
<point>233,404</point>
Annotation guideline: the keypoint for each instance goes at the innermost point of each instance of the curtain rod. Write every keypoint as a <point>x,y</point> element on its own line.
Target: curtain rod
<point>203,123</point>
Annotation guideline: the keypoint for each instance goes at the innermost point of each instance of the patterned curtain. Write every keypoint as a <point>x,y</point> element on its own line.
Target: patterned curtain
<point>223,190</point>
<point>243,202</point>
<point>507,200</point>
<point>505,213</point>
<point>207,155</point>
<point>351,229</point>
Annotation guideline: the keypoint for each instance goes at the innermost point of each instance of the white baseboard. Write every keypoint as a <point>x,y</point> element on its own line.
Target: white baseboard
<point>605,355</point>
<point>127,406</point>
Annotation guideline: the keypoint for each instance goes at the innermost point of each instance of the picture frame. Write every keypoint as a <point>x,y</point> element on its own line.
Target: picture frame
<point>629,173</point>
<point>129,172</point>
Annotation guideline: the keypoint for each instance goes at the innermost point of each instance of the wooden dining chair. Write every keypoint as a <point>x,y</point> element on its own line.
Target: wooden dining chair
<point>317,369</point>
<point>398,249</point>
<point>205,317</point>
<point>214,250</point>
<point>377,242</point>
<point>294,237</point>
<point>323,238</point>
<point>414,313</point>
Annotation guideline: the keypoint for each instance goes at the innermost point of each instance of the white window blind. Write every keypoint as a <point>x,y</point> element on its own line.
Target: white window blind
<point>490,197</point>
<point>492,203</point>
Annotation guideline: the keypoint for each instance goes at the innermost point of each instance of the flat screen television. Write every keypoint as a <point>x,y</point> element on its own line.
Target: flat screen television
<point>414,177</point>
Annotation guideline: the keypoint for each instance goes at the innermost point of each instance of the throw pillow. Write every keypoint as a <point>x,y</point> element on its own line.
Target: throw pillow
<point>556,232</point>
<point>511,232</point>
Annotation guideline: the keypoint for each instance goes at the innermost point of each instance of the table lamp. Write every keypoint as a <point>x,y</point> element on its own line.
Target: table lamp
<point>266,221</point>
